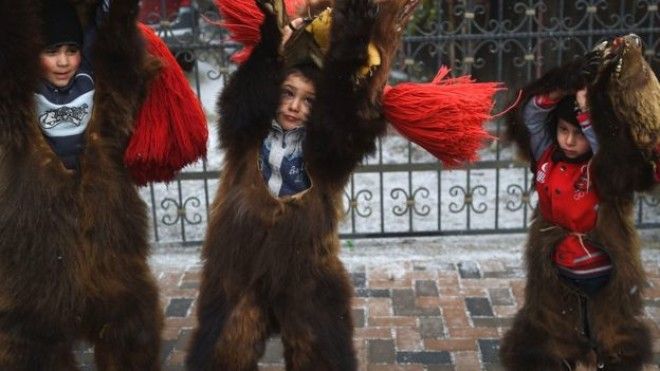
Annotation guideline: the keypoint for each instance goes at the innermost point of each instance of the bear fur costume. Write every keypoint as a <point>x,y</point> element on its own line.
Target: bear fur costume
<point>628,93</point>
<point>271,264</point>
<point>73,245</point>
<point>549,331</point>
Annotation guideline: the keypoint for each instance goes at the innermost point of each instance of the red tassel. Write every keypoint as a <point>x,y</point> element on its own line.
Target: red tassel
<point>445,117</point>
<point>242,18</point>
<point>170,129</point>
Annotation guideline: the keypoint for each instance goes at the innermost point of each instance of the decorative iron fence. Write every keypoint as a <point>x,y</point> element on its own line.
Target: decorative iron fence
<point>401,190</point>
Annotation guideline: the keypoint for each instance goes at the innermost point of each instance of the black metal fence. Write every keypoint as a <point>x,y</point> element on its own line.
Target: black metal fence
<point>401,190</point>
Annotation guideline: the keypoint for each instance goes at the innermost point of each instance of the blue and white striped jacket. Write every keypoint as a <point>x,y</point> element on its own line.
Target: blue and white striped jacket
<point>281,161</point>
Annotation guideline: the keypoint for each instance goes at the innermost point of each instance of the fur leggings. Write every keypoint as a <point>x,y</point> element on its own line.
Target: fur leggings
<point>313,317</point>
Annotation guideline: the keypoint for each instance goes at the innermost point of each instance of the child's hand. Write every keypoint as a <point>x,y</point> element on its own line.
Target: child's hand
<point>581,99</point>
<point>290,28</point>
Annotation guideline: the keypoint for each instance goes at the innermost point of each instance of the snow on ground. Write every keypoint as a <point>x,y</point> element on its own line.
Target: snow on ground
<point>390,253</point>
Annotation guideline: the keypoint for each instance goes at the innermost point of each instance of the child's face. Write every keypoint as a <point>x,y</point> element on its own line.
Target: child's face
<point>298,94</point>
<point>571,140</point>
<point>59,64</point>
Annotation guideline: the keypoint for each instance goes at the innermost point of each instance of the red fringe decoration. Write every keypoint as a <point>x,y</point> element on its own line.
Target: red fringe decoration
<point>170,129</point>
<point>445,117</point>
<point>242,18</point>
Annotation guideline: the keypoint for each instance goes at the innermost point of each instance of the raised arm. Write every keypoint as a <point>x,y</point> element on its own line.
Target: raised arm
<point>249,101</point>
<point>584,119</point>
<point>119,67</point>
<point>547,90</point>
<point>19,70</point>
<point>339,133</point>
<point>535,117</point>
<point>100,14</point>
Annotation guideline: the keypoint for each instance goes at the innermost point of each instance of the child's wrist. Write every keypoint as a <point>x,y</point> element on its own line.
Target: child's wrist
<point>584,118</point>
<point>546,101</point>
<point>581,108</point>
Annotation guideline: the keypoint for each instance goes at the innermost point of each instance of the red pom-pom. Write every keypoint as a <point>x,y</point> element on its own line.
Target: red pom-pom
<point>445,116</point>
<point>170,129</point>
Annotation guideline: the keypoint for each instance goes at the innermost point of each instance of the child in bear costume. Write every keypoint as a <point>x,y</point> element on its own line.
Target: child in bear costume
<point>73,245</point>
<point>584,275</point>
<point>65,94</point>
<point>299,114</point>
<point>271,250</point>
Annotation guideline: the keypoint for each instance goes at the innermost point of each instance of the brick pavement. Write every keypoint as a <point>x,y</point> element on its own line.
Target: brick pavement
<point>415,314</point>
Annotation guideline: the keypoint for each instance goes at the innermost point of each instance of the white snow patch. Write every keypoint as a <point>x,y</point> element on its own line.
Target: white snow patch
<point>390,254</point>
<point>163,259</point>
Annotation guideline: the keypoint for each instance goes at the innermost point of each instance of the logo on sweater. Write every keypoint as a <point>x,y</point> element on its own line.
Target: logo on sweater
<point>294,170</point>
<point>72,115</point>
<point>542,172</point>
<point>581,185</point>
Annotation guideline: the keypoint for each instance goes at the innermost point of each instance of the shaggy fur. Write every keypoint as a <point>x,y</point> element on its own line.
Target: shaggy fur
<point>391,21</point>
<point>271,264</point>
<point>548,332</point>
<point>628,121</point>
<point>393,16</point>
<point>634,91</point>
<point>73,248</point>
<point>549,327</point>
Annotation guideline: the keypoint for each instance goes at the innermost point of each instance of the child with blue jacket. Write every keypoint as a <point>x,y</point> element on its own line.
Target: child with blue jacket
<point>65,95</point>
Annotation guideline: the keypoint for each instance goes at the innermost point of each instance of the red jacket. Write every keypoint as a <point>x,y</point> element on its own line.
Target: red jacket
<point>567,197</point>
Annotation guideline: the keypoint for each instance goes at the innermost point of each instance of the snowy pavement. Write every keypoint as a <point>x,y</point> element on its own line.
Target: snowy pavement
<point>433,304</point>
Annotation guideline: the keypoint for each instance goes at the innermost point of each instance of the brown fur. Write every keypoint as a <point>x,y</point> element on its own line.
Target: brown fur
<point>271,264</point>
<point>547,331</point>
<point>626,121</point>
<point>390,25</point>
<point>635,94</point>
<point>73,248</point>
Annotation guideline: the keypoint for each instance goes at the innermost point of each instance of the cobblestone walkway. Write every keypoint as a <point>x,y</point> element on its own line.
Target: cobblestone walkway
<point>409,314</point>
